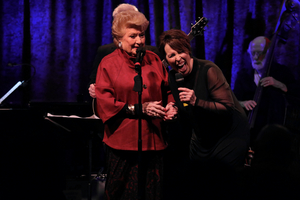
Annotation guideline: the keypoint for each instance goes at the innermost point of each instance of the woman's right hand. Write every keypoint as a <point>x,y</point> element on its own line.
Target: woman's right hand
<point>153,109</point>
<point>92,90</point>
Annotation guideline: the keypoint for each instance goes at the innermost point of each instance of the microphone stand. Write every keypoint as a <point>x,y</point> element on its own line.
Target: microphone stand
<point>138,87</point>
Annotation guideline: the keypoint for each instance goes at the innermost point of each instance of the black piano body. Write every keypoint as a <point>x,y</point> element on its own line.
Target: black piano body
<point>40,153</point>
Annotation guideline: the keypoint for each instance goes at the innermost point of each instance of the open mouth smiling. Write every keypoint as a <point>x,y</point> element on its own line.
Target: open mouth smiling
<point>181,67</point>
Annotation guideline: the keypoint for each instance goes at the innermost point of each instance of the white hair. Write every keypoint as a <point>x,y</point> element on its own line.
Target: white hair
<point>123,7</point>
<point>260,40</point>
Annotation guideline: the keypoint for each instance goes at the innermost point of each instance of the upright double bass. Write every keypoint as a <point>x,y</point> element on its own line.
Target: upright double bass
<point>287,21</point>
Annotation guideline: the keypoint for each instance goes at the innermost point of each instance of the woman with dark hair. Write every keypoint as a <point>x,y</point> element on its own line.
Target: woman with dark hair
<point>206,103</point>
<point>207,109</point>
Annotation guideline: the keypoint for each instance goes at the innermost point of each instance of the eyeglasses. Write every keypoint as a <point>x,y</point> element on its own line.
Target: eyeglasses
<point>256,53</point>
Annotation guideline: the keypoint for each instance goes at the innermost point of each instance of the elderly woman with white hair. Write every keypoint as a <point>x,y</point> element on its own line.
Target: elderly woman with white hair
<point>117,106</point>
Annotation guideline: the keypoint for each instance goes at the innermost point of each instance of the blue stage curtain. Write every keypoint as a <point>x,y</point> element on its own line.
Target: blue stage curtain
<point>60,38</point>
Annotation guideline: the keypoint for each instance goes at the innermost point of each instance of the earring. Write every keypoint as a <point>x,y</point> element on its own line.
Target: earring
<point>120,44</point>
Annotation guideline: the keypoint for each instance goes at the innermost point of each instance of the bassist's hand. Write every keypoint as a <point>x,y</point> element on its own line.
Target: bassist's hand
<point>249,105</point>
<point>270,81</point>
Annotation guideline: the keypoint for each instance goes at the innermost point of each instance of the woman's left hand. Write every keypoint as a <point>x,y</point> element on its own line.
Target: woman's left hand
<point>171,111</point>
<point>186,95</point>
<point>154,109</point>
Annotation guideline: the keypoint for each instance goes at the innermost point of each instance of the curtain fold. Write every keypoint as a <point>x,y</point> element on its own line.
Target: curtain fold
<point>63,37</point>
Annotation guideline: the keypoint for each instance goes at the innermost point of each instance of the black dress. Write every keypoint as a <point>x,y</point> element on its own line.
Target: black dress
<point>217,123</point>
<point>209,141</point>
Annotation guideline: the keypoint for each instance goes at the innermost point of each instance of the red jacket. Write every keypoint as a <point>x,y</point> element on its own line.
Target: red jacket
<point>114,89</point>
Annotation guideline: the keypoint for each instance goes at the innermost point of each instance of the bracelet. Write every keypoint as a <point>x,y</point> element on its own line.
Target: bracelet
<point>130,110</point>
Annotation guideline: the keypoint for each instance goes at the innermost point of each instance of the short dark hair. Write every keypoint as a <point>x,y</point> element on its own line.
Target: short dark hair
<point>177,40</point>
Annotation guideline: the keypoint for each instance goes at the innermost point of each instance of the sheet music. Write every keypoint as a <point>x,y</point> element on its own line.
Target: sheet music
<point>73,116</point>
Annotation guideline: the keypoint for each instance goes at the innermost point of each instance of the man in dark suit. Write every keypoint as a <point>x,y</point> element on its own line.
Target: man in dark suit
<point>244,90</point>
<point>277,84</point>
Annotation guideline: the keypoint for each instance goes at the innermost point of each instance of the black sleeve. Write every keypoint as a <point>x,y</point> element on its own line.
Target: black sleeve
<point>154,50</point>
<point>101,53</point>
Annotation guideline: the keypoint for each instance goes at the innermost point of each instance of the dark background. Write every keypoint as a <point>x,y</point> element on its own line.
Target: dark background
<point>59,40</point>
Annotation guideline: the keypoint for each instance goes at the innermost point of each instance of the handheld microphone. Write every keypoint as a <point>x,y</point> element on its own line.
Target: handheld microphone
<point>180,83</point>
<point>179,80</point>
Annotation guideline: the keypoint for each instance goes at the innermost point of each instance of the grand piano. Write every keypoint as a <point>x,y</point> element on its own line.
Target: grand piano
<point>47,143</point>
